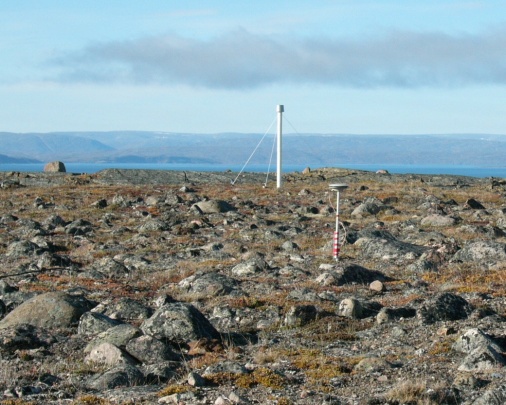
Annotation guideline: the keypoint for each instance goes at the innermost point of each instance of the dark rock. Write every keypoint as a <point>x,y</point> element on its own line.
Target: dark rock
<point>394,314</point>
<point>300,315</point>
<point>444,307</point>
<point>355,274</point>
<point>473,204</point>
<point>23,337</point>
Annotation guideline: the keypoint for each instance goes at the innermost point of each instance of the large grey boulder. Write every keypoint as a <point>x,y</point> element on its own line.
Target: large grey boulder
<point>127,309</point>
<point>209,285</point>
<point>93,323</point>
<point>121,376</point>
<point>180,323</point>
<point>50,311</point>
<point>111,268</point>
<point>55,167</point>
<point>483,359</point>
<point>473,339</point>
<point>150,350</point>
<point>493,396</point>
<point>214,206</point>
<point>118,335</point>
<point>438,220</point>
<point>109,355</point>
<point>23,248</point>
<point>484,252</point>
<point>377,244</point>
<point>371,206</point>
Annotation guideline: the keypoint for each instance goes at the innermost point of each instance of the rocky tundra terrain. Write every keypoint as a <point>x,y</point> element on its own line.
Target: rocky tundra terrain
<point>147,287</point>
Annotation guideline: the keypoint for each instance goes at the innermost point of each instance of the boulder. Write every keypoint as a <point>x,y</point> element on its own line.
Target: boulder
<point>24,337</point>
<point>485,252</point>
<point>483,359</point>
<point>438,220</point>
<point>50,310</point>
<point>300,315</point>
<point>93,323</point>
<point>180,323</point>
<point>209,285</point>
<point>214,206</point>
<point>111,268</point>
<point>122,376</point>
<point>370,206</point>
<point>473,339</point>
<point>118,335</point>
<point>150,350</point>
<point>383,245</point>
<point>127,309</point>
<point>444,307</point>
<point>109,355</point>
<point>55,167</point>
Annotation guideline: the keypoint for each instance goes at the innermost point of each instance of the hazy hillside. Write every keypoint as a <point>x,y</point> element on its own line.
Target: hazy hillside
<point>235,148</point>
<point>7,159</point>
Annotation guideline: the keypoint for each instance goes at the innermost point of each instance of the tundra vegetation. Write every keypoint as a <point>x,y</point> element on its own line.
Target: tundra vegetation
<point>140,287</point>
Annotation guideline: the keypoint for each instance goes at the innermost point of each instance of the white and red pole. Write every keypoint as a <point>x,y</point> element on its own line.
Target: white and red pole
<point>336,246</point>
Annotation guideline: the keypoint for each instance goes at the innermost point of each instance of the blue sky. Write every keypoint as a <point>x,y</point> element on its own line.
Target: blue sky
<point>357,66</point>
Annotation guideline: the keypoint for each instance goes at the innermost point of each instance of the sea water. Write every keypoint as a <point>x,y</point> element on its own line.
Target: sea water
<point>472,171</point>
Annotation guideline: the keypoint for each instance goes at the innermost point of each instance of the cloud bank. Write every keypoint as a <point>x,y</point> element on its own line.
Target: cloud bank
<point>242,60</point>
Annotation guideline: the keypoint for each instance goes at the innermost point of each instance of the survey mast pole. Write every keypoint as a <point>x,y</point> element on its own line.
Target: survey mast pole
<point>280,110</point>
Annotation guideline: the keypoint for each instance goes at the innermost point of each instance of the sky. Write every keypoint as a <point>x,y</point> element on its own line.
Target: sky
<point>337,66</point>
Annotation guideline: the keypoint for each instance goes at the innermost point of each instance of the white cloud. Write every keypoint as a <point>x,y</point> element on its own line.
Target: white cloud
<point>240,59</point>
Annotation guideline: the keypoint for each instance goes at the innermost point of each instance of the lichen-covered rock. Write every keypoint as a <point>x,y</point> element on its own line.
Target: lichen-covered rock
<point>127,309</point>
<point>118,335</point>
<point>110,355</point>
<point>179,322</point>
<point>121,376</point>
<point>93,323</point>
<point>484,252</point>
<point>50,310</point>
<point>210,285</point>
<point>150,350</point>
<point>473,339</point>
<point>438,220</point>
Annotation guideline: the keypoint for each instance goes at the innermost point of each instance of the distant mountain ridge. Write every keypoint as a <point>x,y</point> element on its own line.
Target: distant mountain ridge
<point>236,148</point>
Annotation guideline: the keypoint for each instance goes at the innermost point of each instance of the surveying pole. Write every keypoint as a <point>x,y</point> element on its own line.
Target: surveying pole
<point>336,246</point>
